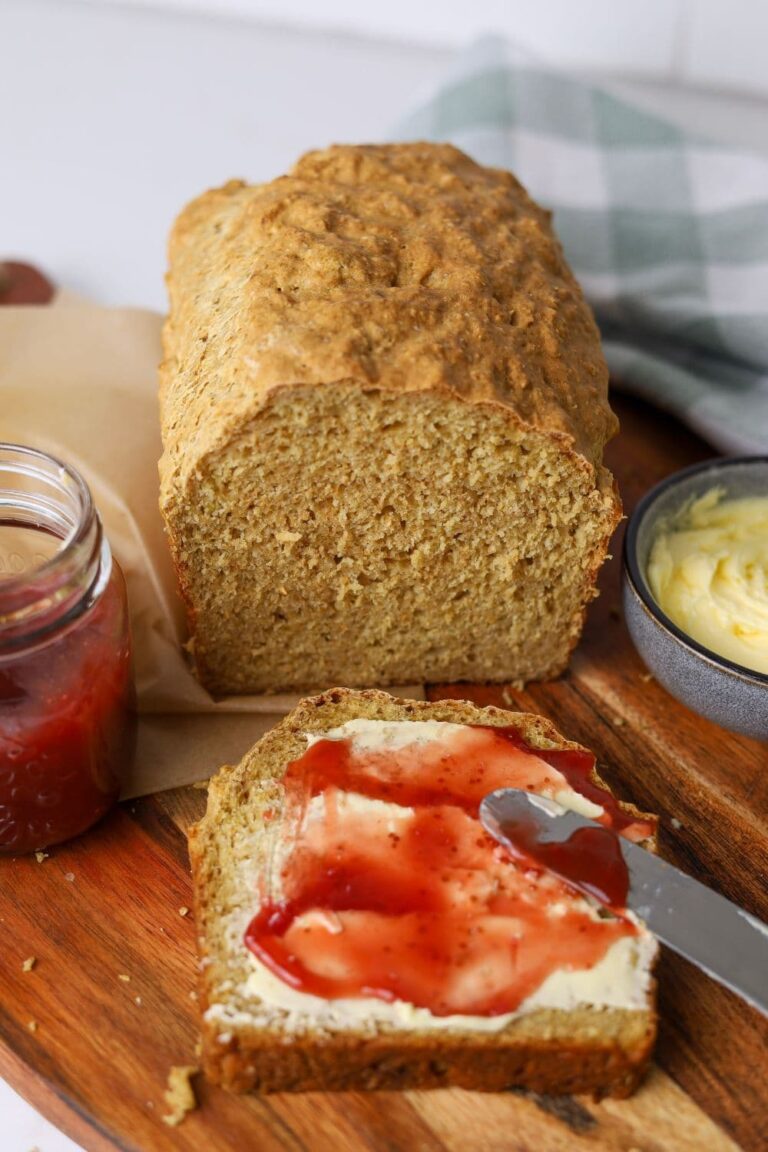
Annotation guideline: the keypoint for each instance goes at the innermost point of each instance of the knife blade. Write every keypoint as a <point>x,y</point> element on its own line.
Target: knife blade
<point>716,935</point>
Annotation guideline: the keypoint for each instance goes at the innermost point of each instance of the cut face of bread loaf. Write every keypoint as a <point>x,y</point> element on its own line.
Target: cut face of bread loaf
<point>583,1029</point>
<point>384,408</point>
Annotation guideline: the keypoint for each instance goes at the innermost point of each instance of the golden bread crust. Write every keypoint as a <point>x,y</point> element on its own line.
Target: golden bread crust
<point>403,267</point>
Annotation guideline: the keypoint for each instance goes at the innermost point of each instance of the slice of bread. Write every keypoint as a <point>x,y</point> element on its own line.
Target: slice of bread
<point>384,406</point>
<point>253,1044</point>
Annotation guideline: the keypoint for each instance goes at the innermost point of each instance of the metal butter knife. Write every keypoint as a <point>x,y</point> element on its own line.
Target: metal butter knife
<point>722,939</point>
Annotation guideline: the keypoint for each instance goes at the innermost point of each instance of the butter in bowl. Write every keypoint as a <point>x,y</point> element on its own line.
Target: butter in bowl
<point>696,589</point>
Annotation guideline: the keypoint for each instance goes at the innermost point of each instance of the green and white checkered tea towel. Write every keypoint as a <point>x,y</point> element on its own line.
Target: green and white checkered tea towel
<point>667,232</point>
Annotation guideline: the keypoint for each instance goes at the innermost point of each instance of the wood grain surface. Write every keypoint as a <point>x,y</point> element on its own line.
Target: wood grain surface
<point>108,905</point>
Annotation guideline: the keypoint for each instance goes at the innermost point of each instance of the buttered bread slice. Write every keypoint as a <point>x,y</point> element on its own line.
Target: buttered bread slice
<point>383,408</point>
<point>359,929</point>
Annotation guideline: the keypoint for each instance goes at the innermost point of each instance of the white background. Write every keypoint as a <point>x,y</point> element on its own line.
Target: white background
<point>719,42</point>
<point>113,113</point>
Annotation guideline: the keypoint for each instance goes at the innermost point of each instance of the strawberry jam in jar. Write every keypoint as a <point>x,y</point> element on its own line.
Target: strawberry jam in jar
<point>67,716</point>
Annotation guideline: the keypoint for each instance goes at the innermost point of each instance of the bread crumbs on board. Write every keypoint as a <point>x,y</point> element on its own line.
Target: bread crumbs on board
<point>179,1095</point>
<point>29,963</point>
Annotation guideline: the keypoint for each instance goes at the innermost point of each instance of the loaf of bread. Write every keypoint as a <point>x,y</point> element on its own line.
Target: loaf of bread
<point>261,1034</point>
<point>384,407</point>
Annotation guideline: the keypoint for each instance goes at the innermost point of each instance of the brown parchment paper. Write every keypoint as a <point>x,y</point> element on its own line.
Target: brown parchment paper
<point>80,382</point>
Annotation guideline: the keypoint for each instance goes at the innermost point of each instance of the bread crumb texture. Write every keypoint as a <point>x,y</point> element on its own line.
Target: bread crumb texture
<point>384,408</point>
<point>250,1045</point>
<point>179,1095</point>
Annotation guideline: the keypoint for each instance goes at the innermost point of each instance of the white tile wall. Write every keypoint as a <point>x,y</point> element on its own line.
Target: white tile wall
<point>727,43</point>
<point>709,42</point>
<point>640,36</point>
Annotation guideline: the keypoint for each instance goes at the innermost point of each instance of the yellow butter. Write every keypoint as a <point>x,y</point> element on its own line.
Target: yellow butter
<point>709,573</point>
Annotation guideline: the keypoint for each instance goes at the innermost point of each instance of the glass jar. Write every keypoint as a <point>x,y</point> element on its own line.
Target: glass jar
<point>67,715</point>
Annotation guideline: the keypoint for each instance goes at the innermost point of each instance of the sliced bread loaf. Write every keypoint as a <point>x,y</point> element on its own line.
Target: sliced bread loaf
<point>384,407</point>
<point>587,1026</point>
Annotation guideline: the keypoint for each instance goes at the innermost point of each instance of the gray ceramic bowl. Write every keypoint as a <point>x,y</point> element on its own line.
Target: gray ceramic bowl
<point>733,696</point>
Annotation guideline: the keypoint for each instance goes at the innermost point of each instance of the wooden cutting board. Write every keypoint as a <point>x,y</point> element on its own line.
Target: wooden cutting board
<point>89,1034</point>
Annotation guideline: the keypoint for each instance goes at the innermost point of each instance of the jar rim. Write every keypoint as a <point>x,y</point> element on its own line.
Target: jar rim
<point>36,603</point>
<point>77,532</point>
